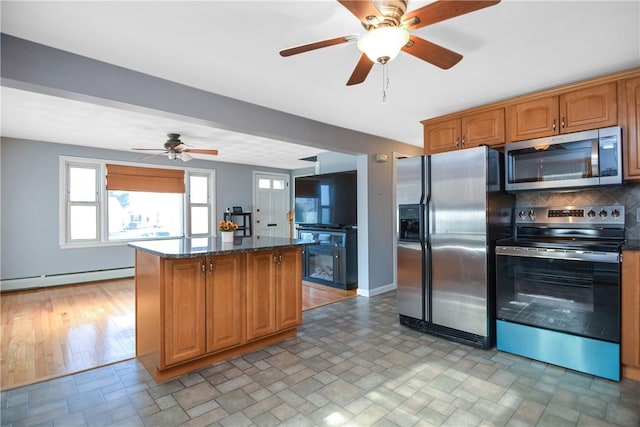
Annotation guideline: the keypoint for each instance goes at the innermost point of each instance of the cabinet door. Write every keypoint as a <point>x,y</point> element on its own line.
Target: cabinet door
<point>589,108</point>
<point>533,119</point>
<point>225,304</point>
<point>184,314</point>
<point>442,136</point>
<point>261,298</point>
<point>340,266</point>
<point>630,338</point>
<point>289,289</point>
<point>631,128</point>
<point>483,128</point>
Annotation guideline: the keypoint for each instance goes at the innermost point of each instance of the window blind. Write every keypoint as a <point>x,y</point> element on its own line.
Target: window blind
<point>154,180</point>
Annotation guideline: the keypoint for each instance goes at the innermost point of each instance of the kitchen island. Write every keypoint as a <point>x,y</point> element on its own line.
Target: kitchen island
<point>199,300</point>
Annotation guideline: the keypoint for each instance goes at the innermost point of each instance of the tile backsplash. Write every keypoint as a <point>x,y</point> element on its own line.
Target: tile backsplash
<point>627,195</point>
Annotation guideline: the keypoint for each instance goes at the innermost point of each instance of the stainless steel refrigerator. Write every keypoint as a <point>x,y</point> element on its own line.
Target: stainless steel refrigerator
<point>451,208</point>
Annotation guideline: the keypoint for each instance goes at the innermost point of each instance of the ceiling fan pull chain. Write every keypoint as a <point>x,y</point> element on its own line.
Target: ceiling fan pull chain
<point>385,83</point>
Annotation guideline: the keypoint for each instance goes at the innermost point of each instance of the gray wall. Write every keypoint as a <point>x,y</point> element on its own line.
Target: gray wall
<point>29,179</point>
<point>30,66</point>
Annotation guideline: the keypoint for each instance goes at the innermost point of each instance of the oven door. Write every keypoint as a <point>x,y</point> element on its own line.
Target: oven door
<point>575,292</point>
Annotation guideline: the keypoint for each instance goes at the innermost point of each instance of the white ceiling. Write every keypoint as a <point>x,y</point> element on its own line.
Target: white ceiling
<point>231,48</point>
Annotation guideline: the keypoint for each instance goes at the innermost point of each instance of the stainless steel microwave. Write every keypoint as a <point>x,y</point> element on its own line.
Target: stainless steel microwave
<point>580,159</point>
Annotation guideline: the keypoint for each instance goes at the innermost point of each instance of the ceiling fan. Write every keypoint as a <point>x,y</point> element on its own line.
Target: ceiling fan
<point>176,149</point>
<point>388,26</point>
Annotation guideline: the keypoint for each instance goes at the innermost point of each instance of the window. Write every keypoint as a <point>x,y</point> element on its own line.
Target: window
<point>137,202</point>
<point>137,215</point>
<point>266,184</point>
<point>82,202</point>
<point>200,209</point>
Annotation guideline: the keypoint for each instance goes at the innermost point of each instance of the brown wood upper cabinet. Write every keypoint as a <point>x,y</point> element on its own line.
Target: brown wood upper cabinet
<point>630,122</point>
<point>581,109</point>
<point>467,131</point>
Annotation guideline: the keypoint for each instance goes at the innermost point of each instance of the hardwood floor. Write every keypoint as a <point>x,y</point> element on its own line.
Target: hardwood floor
<point>314,295</point>
<point>52,332</point>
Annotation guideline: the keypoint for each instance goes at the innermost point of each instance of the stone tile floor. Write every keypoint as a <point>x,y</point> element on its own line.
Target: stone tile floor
<point>352,364</point>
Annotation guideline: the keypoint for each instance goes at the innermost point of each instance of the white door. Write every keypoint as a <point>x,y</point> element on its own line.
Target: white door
<point>271,202</point>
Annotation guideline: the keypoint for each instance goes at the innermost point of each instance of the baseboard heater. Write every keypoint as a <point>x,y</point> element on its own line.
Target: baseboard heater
<point>46,281</point>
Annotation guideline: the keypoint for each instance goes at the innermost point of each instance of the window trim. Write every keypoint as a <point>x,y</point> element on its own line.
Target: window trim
<point>103,205</point>
<point>211,177</point>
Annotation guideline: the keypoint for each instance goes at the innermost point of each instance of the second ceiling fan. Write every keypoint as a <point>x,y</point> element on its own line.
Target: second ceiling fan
<point>388,31</point>
<point>175,149</point>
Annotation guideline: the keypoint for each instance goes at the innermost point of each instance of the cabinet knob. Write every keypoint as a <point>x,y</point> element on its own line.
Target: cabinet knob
<point>554,125</point>
<point>562,123</point>
<point>463,140</point>
<point>457,144</point>
<point>202,269</point>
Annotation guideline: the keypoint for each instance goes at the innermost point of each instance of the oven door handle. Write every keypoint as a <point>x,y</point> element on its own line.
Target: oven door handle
<point>564,254</point>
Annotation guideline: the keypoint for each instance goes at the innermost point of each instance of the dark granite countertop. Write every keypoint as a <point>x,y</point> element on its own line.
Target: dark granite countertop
<point>631,245</point>
<point>203,246</point>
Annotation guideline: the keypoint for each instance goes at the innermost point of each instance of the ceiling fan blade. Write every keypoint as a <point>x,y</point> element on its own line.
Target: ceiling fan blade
<point>317,45</point>
<point>152,156</point>
<point>200,151</point>
<point>442,10</point>
<point>361,71</point>
<point>361,8</point>
<point>150,149</point>
<point>431,52</point>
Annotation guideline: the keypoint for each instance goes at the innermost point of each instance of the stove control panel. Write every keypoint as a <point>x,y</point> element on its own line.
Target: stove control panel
<point>611,214</point>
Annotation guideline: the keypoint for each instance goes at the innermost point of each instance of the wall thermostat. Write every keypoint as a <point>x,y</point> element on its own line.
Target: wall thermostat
<point>381,158</point>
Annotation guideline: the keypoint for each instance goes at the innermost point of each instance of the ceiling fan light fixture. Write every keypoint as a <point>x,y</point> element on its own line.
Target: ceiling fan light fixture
<point>382,44</point>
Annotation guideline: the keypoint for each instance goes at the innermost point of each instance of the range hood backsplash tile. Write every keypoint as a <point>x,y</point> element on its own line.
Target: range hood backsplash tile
<point>627,195</point>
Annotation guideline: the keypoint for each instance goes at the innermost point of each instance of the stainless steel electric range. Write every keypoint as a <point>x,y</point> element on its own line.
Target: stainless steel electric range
<point>558,287</point>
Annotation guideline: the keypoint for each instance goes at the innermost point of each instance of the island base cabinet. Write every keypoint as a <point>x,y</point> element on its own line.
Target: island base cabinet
<point>630,337</point>
<point>261,294</point>
<point>191,312</point>
<point>225,301</point>
<point>184,313</point>
<point>288,292</point>
<point>274,292</point>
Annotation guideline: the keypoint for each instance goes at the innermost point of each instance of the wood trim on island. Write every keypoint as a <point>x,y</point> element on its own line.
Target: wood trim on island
<point>194,311</point>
